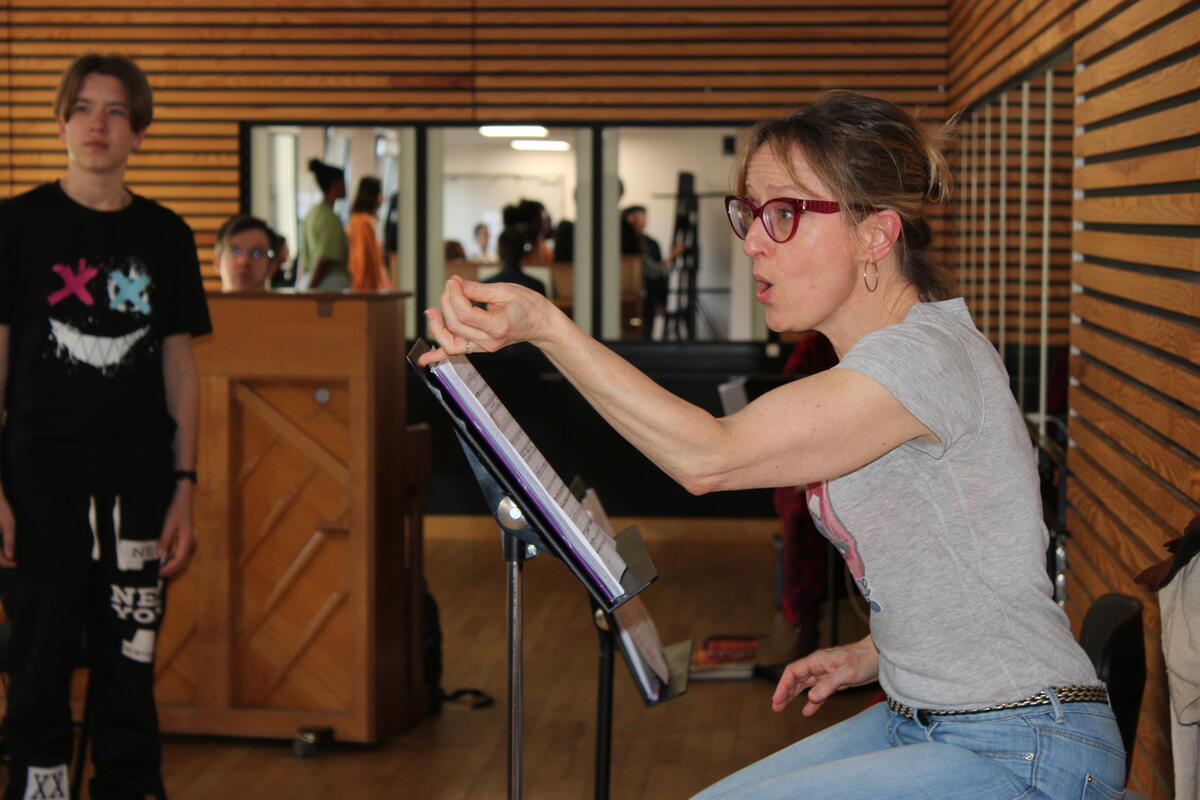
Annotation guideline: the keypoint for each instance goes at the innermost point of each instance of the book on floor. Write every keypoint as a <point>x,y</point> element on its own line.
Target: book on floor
<point>724,657</point>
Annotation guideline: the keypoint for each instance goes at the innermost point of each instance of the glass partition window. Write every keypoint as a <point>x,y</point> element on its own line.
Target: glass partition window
<point>281,184</point>
<point>483,173</point>
<point>283,189</point>
<point>692,266</point>
<point>668,270</point>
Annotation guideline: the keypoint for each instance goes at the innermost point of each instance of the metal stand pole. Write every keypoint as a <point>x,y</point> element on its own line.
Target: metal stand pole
<point>514,556</point>
<point>604,703</point>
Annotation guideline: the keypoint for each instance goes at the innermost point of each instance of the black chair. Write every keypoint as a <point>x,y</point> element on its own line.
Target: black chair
<point>1112,638</point>
<point>79,761</point>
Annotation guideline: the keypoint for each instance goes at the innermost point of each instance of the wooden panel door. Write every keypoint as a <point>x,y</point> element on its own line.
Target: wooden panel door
<point>302,607</point>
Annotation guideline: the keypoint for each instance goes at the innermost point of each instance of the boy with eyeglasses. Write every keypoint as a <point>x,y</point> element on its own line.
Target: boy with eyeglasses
<point>100,294</point>
<point>244,254</point>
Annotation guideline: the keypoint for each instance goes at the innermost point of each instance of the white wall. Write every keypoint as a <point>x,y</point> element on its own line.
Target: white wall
<point>484,175</point>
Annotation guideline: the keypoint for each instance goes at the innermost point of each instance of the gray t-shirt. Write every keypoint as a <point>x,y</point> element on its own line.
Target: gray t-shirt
<point>946,540</point>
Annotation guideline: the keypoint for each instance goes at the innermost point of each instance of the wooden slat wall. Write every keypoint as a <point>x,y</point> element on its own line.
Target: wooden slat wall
<point>1136,430</point>
<point>1135,330</point>
<point>993,41</point>
<point>216,63</point>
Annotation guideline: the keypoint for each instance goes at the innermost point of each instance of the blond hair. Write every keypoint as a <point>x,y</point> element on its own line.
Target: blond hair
<point>871,154</point>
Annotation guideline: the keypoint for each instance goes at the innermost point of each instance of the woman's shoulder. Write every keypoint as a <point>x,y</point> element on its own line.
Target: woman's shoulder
<point>321,212</point>
<point>934,341</point>
<point>930,323</point>
<point>940,323</point>
<point>312,214</point>
<point>951,313</point>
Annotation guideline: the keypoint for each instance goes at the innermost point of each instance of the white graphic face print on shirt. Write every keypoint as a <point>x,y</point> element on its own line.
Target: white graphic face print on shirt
<point>98,312</point>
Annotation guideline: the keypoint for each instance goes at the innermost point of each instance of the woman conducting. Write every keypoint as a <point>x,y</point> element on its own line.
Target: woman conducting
<point>917,466</point>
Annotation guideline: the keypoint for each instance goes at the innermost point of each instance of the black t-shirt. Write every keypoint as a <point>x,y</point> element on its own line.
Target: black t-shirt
<point>89,297</point>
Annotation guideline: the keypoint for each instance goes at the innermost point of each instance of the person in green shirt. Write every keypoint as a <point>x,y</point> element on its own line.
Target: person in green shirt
<point>324,248</point>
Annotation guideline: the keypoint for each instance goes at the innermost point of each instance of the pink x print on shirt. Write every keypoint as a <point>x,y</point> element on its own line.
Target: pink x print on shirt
<point>74,283</point>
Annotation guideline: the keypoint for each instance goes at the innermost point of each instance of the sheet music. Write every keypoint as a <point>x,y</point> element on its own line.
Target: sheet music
<point>651,685</point>
<point>593,547</point>
<point>638,632</point>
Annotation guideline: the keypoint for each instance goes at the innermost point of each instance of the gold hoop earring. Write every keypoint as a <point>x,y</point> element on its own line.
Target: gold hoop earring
<point>871,287</point>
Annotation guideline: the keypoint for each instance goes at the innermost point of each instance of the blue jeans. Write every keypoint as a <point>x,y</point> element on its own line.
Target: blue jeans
<point>1052,752</point>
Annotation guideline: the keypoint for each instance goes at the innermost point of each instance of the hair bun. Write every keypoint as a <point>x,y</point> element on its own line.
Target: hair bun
<point>934,191</point>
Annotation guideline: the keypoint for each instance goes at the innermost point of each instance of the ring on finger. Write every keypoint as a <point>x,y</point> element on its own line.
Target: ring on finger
<point>470,346</point>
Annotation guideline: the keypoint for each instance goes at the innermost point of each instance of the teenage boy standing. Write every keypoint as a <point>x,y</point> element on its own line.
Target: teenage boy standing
<point>100,294</point>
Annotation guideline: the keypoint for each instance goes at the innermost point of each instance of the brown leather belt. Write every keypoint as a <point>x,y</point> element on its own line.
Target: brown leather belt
<point>1065,694</point>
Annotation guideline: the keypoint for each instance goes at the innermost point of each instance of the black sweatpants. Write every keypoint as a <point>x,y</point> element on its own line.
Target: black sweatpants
<point>87,570</point>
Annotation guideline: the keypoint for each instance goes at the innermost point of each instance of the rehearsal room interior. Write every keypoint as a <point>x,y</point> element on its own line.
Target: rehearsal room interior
<point>381,603</point>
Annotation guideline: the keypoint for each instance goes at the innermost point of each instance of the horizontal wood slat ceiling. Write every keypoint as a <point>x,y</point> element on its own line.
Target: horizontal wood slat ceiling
<point>217,63</point>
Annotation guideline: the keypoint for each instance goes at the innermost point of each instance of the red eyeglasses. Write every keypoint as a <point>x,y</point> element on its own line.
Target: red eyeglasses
<point>780,216</point>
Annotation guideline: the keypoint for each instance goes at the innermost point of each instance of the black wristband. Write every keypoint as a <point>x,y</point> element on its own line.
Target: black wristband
<point>180,474</point>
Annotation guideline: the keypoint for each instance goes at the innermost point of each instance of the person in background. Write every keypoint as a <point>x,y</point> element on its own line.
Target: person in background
<point>481,245</point>
<point>244,255</point>
<point>534,224</point>
<point>101,296</point>
<point>367,269</point>
<point>513,244</point>
<point>654,266</point>
<point>391,231</point>
<point>324,248</point>
<point>282,270</point>
<point>917,464</point>
<point>564,242</point>
<point>803,582</point>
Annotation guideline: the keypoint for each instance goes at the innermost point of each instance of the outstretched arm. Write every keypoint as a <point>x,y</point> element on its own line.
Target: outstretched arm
<point>816,428</point>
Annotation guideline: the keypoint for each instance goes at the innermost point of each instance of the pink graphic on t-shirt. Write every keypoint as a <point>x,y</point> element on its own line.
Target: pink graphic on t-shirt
<point>832,528</point>
<point>74,283</point>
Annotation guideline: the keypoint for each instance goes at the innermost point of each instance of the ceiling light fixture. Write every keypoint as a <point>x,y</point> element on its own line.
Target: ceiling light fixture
<point>512,130</point>
<point>540,144</point>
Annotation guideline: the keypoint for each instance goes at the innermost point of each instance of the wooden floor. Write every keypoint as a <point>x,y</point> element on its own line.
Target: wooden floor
<point>715,576</point>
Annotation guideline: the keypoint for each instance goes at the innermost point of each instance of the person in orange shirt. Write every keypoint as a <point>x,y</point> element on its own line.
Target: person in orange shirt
<point>367,270</point>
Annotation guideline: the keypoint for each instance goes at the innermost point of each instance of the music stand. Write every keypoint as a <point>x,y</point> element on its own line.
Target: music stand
<point>526,530</point>
<point>609,630</point>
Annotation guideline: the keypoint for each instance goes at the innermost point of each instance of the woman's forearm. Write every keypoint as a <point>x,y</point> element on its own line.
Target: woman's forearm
<point>808,430</point>
<point>684,440</point>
